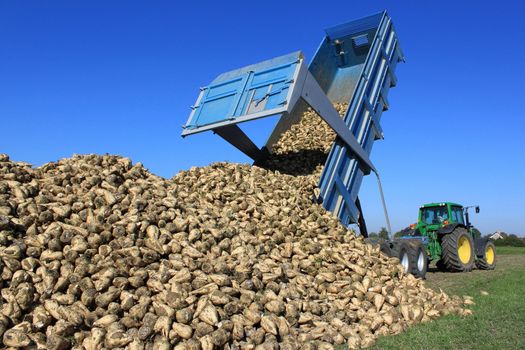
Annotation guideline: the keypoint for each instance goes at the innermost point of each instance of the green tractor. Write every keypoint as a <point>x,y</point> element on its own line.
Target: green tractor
<point>443,234</point>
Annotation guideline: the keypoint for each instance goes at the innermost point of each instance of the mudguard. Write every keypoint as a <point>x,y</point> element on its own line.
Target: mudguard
<point>449,228</point>
<point>409,232</point>
<point>479,246</point>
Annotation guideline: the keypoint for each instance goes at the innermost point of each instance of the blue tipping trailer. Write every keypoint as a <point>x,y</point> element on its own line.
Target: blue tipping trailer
<point>354,64</point>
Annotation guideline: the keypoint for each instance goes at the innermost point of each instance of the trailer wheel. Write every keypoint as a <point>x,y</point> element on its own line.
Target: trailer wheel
<point>420,258</point>
<point>488,260</point>
<point>384,246</point>
<point>458,250</point>
<point>401,250</point>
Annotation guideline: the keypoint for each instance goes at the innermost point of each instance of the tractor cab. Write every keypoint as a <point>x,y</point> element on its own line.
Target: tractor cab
<point>433,216</point>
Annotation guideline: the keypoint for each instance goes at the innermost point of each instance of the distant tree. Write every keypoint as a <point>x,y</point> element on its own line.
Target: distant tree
<point>510,240</point>
<point>383,233</point>
<point>373,235</point>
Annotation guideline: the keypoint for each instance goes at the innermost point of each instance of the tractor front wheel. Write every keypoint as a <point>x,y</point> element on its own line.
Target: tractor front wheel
<point>488,260</point>
<point>458,250</point>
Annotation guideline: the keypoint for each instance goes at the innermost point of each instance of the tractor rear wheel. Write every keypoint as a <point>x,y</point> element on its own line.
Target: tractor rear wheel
<point>419,256</point>
<point>488,260</point>
<point>458,250</point>
<point>401,250</point>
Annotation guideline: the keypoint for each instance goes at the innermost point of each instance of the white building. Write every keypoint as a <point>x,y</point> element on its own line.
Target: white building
<point>498,235</point>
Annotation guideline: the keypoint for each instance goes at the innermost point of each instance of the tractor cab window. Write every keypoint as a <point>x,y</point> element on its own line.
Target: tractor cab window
<point>457,215</point>
<point>434,215</point>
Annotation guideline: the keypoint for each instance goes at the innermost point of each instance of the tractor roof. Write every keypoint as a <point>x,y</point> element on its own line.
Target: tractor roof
<point>439,204</point>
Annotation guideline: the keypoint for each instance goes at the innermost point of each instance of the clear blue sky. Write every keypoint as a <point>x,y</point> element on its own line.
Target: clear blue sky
<point>119,77</point>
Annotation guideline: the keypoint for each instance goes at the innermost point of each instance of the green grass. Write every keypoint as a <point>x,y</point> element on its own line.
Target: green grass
<point>498,321</point>
<point>510,250</point>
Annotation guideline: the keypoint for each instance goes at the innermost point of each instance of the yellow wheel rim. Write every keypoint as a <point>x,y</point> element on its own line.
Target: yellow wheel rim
<point>464,250</point>
<point>489,255</point>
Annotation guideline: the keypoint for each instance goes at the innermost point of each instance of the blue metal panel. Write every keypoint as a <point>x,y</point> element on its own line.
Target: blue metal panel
<point>342,176</point>
<point>257,88</point>
<point>219,101</point>
<point>352,28</point>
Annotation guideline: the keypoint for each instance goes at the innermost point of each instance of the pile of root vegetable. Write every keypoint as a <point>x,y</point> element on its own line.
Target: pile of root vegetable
<point>99,253</point>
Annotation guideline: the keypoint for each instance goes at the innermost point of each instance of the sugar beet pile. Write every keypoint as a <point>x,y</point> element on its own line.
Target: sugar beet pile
<point>99,253</point>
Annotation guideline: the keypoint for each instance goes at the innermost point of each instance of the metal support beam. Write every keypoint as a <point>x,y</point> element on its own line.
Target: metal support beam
<point>234,135</point>
<point>384,206</point>
<point>361,220</point>
<point>352,212</point>
<point>375,120</point>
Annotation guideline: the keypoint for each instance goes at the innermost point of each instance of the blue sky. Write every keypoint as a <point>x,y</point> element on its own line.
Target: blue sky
<point>119,76</point>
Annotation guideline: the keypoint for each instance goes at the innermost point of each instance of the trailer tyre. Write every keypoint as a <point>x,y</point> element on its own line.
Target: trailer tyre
<point>458,250</point>
<point>488,260</point>
<point>420,258</point>
<point>402,250</point>
<point>384,246</point>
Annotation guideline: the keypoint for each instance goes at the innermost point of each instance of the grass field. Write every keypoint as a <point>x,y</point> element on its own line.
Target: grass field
<point>498,321</point>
